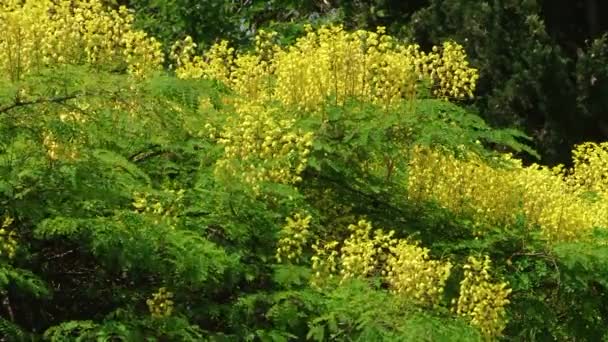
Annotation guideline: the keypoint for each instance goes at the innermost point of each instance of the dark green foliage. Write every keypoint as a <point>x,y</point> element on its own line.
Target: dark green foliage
<point>203,20</point>
<point>592,86</point>
<point>125,326</point>
<point>236,21</point>
<point>78,231</point>
<point>12,332</point>
<point>552,88</point>
<point>524,76</point>
<point>357,311</point>
<point>141,207</point>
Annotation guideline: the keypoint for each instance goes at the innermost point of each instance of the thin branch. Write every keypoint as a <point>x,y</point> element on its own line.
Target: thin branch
<point>375,198</point>
<point>7,306</point>
<point>19,103</point>
<point>61,255</point>
<point>149,152</point>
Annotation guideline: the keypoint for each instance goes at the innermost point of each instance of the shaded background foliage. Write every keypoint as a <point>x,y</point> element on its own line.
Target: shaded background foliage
<point>542,63</point>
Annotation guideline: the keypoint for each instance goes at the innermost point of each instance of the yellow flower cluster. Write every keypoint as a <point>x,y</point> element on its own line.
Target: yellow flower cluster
<point>220,59</point>
<point>266,44</point>
<point>260,146</point>
<point>361,255</point>
<point>324,262</point>
<point>451,72</point>
<point>295,235</point>
<point>411,273</point>
<point>165,212</point>
<point>550,198</point>
<point>331,63</point>
<point>404,266</point>
<point>186,64</point>
<point>249,74</point>
<point>216,64</point>
<point>42,33</point>
<point>56,151</point>
<point>161,305</point>
<point>8,238</point>
<point>590,171</point>
<point>67,149</point>
<point>481,300</point>
<point>72,116</point>
<point>252,74</point>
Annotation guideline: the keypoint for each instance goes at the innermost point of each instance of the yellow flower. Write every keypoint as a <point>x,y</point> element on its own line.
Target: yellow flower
<point>481,300</point>
<point>8,238</point>
<point>330,62</point>
<point>295,235</point>
<point>412,274</point>
<point>39,33</point>
<point>262,146</point>
<point>161,305</point>
<point>556,200</point>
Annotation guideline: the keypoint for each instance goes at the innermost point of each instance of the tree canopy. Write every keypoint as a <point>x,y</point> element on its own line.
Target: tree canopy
<point>302,170</point>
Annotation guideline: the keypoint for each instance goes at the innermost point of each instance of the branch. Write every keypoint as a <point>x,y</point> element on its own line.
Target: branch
<point>61,255</point>
<point>149,152</point>
<point>19,103</point>
<point>373,198</point>
<point>7,306</point>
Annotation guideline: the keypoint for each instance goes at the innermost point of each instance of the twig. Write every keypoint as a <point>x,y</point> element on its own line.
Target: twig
<point>61,255</point>
<point>149,152</point>
<point>19,103</point>
<point>7,305</point>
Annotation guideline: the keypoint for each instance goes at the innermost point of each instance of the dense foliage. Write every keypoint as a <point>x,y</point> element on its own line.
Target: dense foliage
<point>328,186</point>
<point>541,63</point>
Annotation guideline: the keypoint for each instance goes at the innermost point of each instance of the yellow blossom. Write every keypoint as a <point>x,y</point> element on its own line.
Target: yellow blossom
<point>331,63</point>
<point>161,305</point>
<point>41,33</point>
<point>481,300</point>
